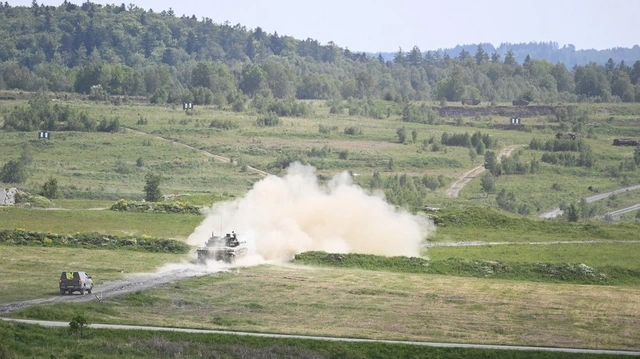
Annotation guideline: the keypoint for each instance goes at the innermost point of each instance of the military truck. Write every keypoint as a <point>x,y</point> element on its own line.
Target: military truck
<point>226,249</point>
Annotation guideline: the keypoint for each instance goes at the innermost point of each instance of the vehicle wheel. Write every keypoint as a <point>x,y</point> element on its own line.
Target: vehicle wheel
<point>82,290</point>
<point>89,290</point>
<point>62,292</point>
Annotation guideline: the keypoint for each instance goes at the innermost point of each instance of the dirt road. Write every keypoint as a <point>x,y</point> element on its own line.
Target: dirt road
<point>108,290</point>
<point>553,213</point>
<point>466,177</point>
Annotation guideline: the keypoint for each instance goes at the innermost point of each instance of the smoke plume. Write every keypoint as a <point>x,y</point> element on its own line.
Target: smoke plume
<point>283,216</point>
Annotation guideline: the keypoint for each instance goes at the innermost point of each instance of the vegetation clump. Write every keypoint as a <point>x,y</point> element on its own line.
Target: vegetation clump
<point>462,267</point>
<point>145,243</point>
<point>155,207</point>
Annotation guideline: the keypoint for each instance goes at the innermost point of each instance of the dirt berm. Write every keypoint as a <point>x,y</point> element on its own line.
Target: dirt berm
<point>508,111</point>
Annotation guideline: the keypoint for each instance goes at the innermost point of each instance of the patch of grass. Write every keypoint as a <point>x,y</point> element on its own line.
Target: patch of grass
<point>599,255</point>
<point>32,341</point>
<point>578,273</point>
<point>164,225</point>
<point>480,224</point>
<point>33,272</point>
<point>387,305</point>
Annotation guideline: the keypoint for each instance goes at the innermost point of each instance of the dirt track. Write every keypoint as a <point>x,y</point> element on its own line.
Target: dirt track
<point>466,177</point>
<point>208,154</point>
<point>108,290</point>
<point>553,213</point>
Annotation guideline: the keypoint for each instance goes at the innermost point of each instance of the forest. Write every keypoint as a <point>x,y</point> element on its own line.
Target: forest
<point>126,51</point>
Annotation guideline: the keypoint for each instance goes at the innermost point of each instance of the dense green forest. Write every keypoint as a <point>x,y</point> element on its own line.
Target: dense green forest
<point>123,50</point>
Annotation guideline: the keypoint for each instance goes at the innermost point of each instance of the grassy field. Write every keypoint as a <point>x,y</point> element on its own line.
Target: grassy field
<point>479,224</point>
<point>161,225</point>
<point>33,272</point>
<point>623,255</point>
<point>30,341</point>
<point>104,166</point>
<point>369,304</point>
<point>96,169</point>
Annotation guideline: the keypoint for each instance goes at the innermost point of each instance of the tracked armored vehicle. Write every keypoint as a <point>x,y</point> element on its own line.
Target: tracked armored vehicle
<point>226,249</point>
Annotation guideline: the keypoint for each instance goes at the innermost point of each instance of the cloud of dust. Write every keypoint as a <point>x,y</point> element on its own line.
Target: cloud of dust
<point>283,216</point>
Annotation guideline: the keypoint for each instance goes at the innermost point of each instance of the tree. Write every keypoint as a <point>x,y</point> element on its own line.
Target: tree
<point>50,188</point>
<point>473,155</point>
<point>572,213</point>
<point>77,324</point>
<point>481,56</point>
<point>151,188</point>
<point>506,200</point>
<point>13,171</point>
<point>414,135</point>
<point>491,163</point>
<point>402,135</point>
<point>488,183</point>
<point>510,58</point>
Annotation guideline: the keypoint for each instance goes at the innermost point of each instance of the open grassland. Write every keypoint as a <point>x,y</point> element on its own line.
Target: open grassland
<point>160,225</point>
<point>33,272</point>
<point>31,341</point>
<point>478,224</point>
<point>105,166</point>
<point>623,255</point>
<point>367,304</point>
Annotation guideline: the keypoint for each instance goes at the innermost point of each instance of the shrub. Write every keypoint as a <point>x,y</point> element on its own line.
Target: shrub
<point>270,120</point>
<point>92,240</point>
<point>353,131</point>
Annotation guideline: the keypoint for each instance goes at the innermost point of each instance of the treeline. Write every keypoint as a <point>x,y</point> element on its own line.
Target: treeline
<point>127,51</point>
<point>550,51</point>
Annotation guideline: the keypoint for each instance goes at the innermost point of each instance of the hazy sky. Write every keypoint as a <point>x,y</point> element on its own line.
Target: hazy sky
<point>386,25</point>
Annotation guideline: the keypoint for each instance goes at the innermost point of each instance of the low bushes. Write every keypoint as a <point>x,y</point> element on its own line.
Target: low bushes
<point>92,240</point>
<point>156,207</point>
<point>540,272</point>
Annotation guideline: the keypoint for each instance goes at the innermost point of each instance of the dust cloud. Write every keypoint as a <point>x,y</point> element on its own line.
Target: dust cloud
<point>283,216</point>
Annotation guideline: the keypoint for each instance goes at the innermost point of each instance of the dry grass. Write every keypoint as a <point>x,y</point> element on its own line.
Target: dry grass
<point>356,303</point>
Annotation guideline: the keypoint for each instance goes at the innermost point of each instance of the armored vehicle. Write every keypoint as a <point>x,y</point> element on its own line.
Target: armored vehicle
<point>226,249</point>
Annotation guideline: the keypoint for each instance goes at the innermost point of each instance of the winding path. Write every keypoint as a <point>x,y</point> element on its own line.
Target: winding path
<point>208,154</point>
<point>466,177</point>
<point>553,213</point>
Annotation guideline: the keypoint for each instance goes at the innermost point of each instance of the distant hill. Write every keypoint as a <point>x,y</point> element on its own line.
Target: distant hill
<point>550,51</point>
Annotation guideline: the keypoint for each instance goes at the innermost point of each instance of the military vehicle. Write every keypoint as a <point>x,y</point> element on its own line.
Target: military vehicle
<point>625,142</point>
<point>226,249</point>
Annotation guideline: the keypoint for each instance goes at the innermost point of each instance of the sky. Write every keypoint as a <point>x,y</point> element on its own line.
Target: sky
<point>387,25</point>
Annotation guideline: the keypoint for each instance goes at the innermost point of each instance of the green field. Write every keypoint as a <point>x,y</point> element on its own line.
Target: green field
<point>494,293</point>
<point>104,165</point>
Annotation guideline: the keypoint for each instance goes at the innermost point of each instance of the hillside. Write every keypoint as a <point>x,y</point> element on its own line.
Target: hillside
<point>128,51</point>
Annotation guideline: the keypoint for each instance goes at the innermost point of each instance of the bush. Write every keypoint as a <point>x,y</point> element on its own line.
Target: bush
<point>155,207</point>
<point>270,120</point>
<point>353,131</point>
<point>92,240</point>
<point>223,124</point>
<point>50,188</point>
